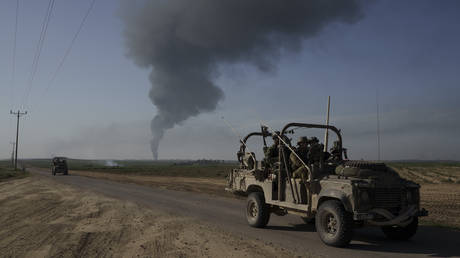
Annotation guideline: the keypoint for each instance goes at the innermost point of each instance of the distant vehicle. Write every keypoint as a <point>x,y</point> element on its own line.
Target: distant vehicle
<point>337,194</point>
<point>59,165</point>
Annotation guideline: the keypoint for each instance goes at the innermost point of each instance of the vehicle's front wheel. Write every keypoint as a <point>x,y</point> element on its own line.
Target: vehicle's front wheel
<point>401,233</point>
<point>257,211</point>
<point>334,224</point>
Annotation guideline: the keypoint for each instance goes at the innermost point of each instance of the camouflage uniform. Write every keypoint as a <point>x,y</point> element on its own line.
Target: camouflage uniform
<point>315,151</point>
<point>271,153</point>
<point>335,151</point>
<point>299,170</point>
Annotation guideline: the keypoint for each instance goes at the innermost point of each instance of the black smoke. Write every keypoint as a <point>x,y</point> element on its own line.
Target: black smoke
<point>184,42</point>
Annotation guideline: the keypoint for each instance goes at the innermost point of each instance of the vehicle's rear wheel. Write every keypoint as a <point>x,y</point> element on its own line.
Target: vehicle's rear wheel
<point>334,224</point>
<point>257,211</point>
<point>401,233</point>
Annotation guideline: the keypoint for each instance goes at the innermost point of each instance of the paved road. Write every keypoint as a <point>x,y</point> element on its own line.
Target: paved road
<point>287,231</point>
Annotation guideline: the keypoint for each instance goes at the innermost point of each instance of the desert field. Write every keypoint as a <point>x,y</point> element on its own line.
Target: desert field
<point>440,190</point>
<point>7,172</point>
<point>40,218</point>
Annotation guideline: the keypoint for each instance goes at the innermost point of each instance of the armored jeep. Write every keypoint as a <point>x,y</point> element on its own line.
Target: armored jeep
<point>337,194</point>
<point>59,165</point>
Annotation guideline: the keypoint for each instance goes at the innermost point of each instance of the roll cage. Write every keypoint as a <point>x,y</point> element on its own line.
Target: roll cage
<point>330,127</point>
<point>298,125</point>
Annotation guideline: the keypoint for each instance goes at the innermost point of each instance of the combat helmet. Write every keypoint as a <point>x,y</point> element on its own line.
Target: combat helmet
<point>303,139</point>
<point>314,140</point>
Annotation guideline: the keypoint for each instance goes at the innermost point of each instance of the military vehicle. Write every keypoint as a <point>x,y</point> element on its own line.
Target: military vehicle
<point>337,194</point>
<point>59,165</point>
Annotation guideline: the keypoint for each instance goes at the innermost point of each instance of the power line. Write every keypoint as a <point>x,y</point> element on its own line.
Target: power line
<point>71,45</point>
<point>38,51</point>
<point>13,66</point>
<point>69,49</point>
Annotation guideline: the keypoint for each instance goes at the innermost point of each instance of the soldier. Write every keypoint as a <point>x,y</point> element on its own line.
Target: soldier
<point>271,153</point>
<point>335,151</point>
<point>296,165</point>
<point>315,151</point>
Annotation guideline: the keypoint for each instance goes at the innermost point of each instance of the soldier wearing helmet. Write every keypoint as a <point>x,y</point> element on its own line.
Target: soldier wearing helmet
<point>271,153</point>
<point>336,152</point>
<point>315,151</point>
<point>299,171</point>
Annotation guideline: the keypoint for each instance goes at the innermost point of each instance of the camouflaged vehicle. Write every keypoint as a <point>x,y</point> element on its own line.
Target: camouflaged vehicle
<point>338,194</point>
<point>59,165</point>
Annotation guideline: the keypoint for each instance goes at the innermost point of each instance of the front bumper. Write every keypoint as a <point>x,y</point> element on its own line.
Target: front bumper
<point>404,217</point>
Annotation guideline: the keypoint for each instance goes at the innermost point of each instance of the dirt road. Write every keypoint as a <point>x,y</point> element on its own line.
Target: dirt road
<point>288,232</point>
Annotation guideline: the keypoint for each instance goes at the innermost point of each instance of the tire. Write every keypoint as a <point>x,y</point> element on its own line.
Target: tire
<point>334,224</point>
<point>401,233</point>
<point>257,212</point>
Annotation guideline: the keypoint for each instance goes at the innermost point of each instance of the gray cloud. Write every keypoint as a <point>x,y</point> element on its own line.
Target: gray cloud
<point>185,41</point>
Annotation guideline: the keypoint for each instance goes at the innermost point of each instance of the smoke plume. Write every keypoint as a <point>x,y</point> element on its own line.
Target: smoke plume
<point>184,42</point>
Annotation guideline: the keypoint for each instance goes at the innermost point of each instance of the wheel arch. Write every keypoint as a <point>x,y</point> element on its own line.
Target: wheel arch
<point>333,194</point>
<point>254,188</point>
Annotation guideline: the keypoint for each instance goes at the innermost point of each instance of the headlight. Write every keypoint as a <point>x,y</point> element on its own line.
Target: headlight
<point>413,195</point>
<point>409,196</point>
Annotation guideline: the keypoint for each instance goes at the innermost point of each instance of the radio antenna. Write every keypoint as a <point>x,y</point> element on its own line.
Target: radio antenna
<point>326,133</point>
<point>239,136</point>
<point>378,124</point>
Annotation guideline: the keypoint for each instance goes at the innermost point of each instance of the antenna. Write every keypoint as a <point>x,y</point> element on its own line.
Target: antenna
<point>326,134</point>
<point>239,136</point>
<point>378,124</point>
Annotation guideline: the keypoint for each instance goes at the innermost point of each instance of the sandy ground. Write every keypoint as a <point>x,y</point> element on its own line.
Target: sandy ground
<point>440,193</point>
<point>443,203</point>
<point>42,218</point>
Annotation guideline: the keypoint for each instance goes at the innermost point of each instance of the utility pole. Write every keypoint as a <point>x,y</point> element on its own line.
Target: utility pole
<point>12,153</point>
<point>18,114</point>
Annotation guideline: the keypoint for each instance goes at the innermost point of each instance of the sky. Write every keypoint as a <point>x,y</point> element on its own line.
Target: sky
<point>403,53</point>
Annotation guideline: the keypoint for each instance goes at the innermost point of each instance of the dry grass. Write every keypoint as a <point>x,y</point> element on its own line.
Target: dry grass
<point>431,175</point>
<point>213,186</point>
<point>440,190</point>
